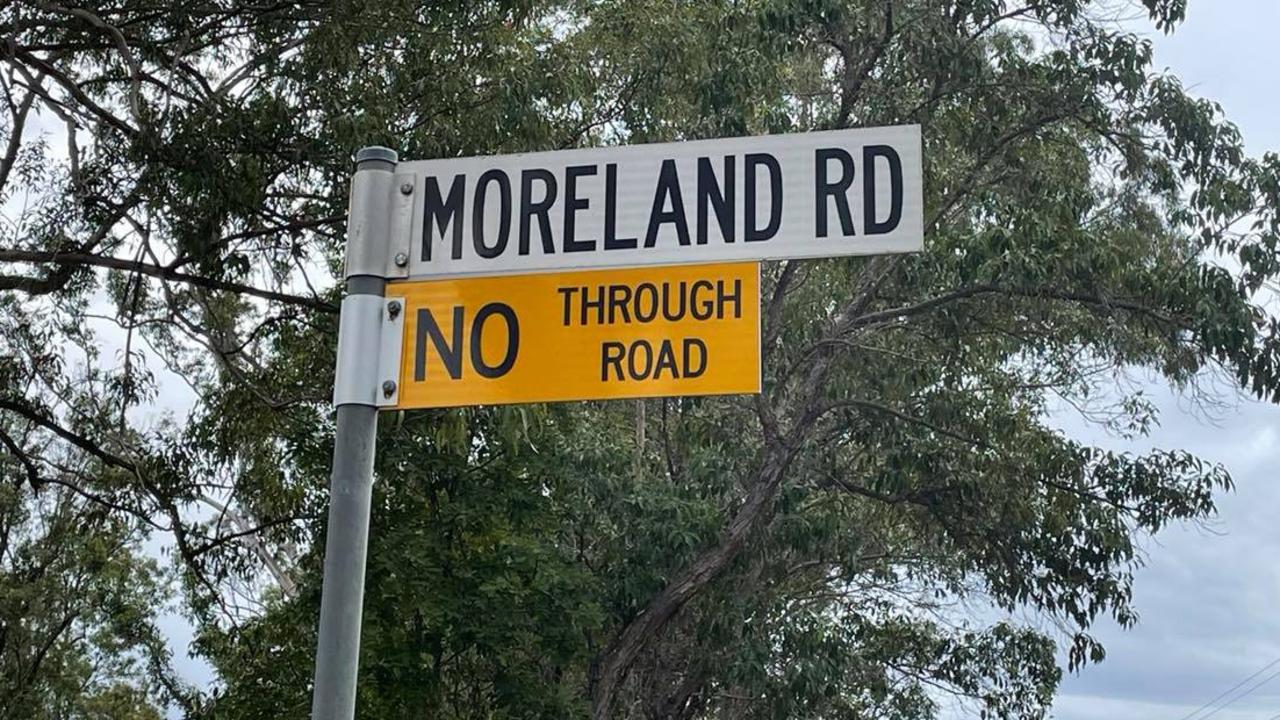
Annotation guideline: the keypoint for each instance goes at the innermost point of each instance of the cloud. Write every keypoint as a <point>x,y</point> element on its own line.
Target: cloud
<point>1207,595</point>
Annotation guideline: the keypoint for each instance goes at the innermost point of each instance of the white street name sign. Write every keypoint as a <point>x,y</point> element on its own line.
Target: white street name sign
<point>819,194</point>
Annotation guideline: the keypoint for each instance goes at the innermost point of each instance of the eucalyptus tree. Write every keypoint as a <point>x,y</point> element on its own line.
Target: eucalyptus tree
<point>857,541</point>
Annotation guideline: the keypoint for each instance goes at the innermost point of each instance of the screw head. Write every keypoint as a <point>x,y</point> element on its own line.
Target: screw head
<point>388,388</point>
<point>401,259</point>
<point>406,188</point>
<point>393,308</point>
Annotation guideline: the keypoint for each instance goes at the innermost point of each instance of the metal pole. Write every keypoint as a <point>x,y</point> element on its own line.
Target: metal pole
<point>351,487</point>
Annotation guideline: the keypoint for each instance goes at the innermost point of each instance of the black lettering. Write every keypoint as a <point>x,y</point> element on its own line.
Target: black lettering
<point>666,359</point>
<point>513,340</point>
<point>750,163</point>
<point>718,196</point>
<point>870,225</point>
<point>504,214</point>
<point>442,212</point>
<point>611,239</point>
<point>540,209</point>
<point>572,204</point>
<point>567,292</point>
<point>666,302</point>
<point>722,299</point>
<point>597,304</point>
<point>689,345</point>
<point>619,298</point>
<point>668,187</point>
<point>638,374</point>
<point>611,353</point>
<point>450,355</point>
<point>824,188</point>
<point>707,308</point>
<point>642,290</point>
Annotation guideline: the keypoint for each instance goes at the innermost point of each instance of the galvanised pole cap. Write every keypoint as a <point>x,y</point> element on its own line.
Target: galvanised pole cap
<point>376,153</point>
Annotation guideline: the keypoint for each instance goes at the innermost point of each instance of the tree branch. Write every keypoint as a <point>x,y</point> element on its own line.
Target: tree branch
<point>68,84</point>
<point>928,304</point>
<point>620,655</point>
<point>80,441</point>
<point>33,473</point>
<point>15,138</point>
<point>876,407</point>
<point>156,271</point>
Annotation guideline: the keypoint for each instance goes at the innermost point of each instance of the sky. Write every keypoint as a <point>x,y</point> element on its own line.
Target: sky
<point>1209,597</point>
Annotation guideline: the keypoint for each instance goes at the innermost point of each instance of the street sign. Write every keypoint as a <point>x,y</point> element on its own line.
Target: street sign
<point>586,335</point>
<point>691,328</point>
<point>819,194</point>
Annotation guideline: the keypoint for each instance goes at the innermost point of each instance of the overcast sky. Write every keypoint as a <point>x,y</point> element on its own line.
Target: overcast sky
<point>1209,599</point>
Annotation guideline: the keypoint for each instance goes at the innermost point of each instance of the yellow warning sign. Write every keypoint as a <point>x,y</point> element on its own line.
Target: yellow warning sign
<point>587,335</point>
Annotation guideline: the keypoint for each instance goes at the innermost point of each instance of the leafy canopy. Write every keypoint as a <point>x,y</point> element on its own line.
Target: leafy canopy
<point>174,184</point>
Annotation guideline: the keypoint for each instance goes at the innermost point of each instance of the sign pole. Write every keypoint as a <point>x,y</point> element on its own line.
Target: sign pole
<point>355,392</point>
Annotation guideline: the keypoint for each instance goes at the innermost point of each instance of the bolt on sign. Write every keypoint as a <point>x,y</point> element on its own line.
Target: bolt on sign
<point>602,334</point>
<point>820,194</point>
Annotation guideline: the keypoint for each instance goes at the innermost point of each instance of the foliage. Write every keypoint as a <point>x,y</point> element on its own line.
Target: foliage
<point>175,183</point>
<point>76,636</point>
